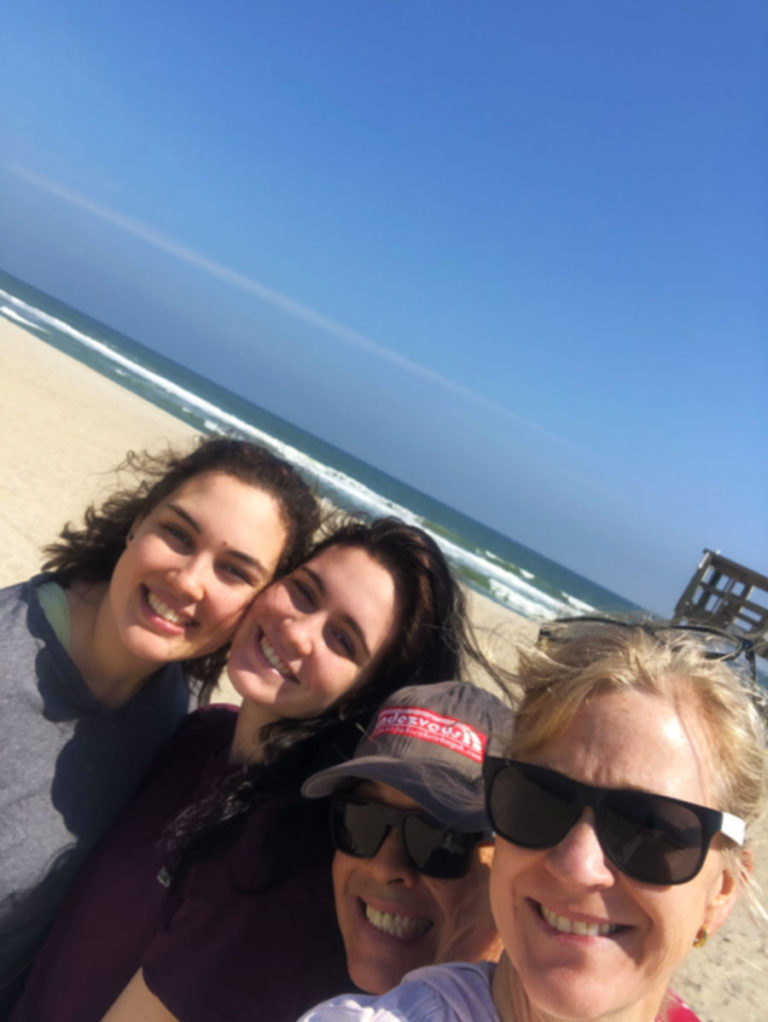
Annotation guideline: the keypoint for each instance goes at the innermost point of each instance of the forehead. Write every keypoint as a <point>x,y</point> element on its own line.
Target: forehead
<point>633,740</point>
<point>377,791</point>
<point>355,584</point>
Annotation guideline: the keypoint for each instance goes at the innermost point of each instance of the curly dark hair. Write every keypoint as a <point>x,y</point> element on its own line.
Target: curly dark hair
<point>432,642</point>
<point>90,553</point>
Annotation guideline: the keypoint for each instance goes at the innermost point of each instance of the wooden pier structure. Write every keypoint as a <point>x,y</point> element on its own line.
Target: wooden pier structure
<point>729,596</point>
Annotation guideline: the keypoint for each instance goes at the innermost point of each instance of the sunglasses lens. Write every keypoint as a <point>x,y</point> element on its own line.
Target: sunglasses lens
<point>652,839</point>
<point>435,850</point>
<point>357,828</point>
<point>529,808</point>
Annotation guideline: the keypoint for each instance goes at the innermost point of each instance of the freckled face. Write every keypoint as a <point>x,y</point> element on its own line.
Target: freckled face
<point>628,740</point>
<point>394,919</point>
<point>192,566</point>
<point>312,636</point>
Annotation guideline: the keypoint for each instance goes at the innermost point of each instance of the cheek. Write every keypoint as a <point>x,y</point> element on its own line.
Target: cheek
<point>469,930</point>
<point>341,870</point>
<point>124,574</point>
<point>335,676</point>
<point>676,914</point>
<point>502,884</point>
<point>274,601</point>
<point>230,607</point>
<point>264,603</point>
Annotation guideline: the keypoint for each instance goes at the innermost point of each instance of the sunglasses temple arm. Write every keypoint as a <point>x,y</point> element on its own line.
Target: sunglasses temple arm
<point>733,827</point>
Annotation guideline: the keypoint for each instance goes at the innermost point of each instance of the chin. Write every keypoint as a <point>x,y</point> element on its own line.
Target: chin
<point>372,980</point>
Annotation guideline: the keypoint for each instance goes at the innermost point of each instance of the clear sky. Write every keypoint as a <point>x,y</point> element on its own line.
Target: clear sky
<point>511,253</point>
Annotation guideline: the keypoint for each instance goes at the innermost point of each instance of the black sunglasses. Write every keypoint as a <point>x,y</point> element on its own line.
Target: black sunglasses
<point>359,827</point>
<point>652,838</point>
<point>716,644</point>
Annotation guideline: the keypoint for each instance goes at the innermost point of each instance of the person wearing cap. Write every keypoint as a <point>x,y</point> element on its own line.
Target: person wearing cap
<point>412,839</point>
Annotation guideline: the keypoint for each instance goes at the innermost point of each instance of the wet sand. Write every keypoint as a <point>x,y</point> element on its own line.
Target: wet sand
<point>65,428</point>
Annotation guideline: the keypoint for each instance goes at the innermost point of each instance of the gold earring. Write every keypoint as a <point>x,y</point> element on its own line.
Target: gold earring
<point>701,937</point>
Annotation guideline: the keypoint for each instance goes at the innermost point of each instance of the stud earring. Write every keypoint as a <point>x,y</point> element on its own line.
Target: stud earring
<point>701,937</point>
<point>130,536</point>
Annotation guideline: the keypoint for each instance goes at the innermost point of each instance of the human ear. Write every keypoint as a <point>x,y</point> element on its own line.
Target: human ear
<point>485,852</point>
<point>133,527</point>
<point>726,887</point>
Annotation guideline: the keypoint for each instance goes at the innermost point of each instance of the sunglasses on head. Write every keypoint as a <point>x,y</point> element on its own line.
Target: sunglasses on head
<point>714,643</point>
<point>652,838</point>
<point>359,827</point>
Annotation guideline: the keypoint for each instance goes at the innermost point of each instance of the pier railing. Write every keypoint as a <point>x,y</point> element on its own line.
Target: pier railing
<point>727,595</point>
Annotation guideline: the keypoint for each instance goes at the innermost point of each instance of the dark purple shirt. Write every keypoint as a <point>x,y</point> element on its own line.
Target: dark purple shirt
<point>211,946</point>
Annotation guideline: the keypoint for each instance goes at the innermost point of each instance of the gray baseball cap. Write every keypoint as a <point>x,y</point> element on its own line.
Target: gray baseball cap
<point>428,741</point>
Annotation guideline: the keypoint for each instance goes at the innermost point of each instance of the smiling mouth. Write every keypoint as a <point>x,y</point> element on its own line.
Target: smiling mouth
<point>576,926</point>
<point>402,927</point>
<point>157,606</point>
<point>272,658</point>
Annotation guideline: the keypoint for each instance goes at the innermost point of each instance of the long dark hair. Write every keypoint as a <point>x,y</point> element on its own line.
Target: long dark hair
<point>432,641</point>
<point>90,553</point>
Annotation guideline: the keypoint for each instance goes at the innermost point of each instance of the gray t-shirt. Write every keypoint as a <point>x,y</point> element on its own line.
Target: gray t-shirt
<point>68,765</point>
<point>458,992</point>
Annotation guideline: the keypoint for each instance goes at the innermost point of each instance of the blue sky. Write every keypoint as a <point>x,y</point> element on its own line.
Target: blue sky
<point>513,254</point>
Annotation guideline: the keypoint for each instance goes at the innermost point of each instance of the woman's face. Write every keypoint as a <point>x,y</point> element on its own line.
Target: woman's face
<point>394,919</point>
<point>312,636</point>
<point>617,740</point>
<point>191,566</point>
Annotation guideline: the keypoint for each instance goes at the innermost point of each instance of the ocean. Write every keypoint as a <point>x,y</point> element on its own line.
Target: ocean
<point>496,565</point>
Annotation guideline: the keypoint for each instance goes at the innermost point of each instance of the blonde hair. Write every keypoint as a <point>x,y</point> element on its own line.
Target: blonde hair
<point>586,659</point>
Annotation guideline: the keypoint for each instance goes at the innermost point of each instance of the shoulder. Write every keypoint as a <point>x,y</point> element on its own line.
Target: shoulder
<point>21,598</point>
<point>29,648</point>
<point>457,992</point>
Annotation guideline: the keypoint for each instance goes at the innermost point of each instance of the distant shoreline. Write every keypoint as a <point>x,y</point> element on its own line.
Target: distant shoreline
<point>494,564</point>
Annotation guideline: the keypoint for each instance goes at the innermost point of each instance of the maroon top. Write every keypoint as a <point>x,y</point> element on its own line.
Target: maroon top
<point>210,946</point>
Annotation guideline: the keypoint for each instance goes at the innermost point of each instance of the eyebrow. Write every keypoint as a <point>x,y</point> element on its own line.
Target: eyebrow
<point>239,555</point>
<point>346,618</point>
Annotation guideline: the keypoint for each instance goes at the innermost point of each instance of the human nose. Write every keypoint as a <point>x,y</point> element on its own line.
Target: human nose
<point>189,579</point>
<point>390,865</point>
<point>296,635</point>
<point>579,860</point>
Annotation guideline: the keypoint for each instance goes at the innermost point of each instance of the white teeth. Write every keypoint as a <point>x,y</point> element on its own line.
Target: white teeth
<point>565,925</point>
<point>404,927</point>
<point>164,611</point>
<point>273,659</point>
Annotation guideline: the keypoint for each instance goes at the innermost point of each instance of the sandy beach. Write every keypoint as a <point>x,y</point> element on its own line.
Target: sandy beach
<point>65,428</point>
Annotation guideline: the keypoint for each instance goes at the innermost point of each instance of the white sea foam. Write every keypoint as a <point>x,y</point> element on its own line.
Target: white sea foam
<point>514,589</point>
<point>12,314</point>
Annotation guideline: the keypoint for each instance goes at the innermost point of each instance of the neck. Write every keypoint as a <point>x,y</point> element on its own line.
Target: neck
<point>108,670</point>
<point>247,744</point>
<point>513,1005</point>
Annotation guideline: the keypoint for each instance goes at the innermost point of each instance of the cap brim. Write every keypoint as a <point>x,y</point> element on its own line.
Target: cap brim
<point>422,780</point>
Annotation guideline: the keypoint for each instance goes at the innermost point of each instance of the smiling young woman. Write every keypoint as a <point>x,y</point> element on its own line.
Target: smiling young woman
<point>99,654</point>
<point>211,896</point>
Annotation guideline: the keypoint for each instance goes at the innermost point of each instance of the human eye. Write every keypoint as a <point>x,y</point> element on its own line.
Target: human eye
<point>344,643</point>
<point>302,594</point>
<point>239,574</point>
<point>176,533</point>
